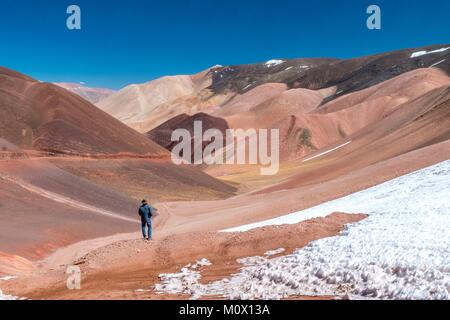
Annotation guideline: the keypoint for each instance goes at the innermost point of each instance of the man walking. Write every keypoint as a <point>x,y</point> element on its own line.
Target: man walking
<point>146,212</point>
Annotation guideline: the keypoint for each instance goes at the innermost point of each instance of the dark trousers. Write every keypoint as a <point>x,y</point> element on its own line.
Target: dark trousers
<point>147,224</point>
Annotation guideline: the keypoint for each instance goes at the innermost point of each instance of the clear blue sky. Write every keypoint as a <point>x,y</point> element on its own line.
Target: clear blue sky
<point>134,41</point>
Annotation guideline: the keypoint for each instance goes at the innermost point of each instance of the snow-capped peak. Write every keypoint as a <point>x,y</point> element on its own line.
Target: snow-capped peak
<point>273,63</point>
<point>422,53</point>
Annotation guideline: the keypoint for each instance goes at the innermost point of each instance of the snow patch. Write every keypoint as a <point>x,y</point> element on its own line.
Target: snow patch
<point>328,151</point>
<point>6,297</point>
<point>201,263</point>
<point>247,86</point>
<point>401,251</point>
<point>435,64</point>
<point>298,67</point>
<point>184,282</point>
<point>274,252</point>
<point>273,63</point>
<point>422,53</point>
<point>187,282</point>
<point>143,290</point>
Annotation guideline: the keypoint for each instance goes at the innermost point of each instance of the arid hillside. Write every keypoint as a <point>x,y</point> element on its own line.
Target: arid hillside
<point>69,171</point>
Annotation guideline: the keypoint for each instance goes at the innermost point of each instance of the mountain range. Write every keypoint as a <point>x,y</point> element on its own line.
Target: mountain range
<point>72,170</point>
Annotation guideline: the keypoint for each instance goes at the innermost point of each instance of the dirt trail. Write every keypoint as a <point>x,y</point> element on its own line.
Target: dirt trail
<point>75,252</point>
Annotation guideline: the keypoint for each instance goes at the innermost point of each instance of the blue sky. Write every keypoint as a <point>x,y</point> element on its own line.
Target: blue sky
<point>123,42</point>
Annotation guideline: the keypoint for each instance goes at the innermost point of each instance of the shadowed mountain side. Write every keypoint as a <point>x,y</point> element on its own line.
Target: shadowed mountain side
<point>163,134</point>
<point>248,100</point>
<point>347,75</point>
<point>242,78</point>
<point>387,95</point>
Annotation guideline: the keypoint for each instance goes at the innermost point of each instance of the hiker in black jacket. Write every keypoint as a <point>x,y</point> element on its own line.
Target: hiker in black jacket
<point>146,212</point>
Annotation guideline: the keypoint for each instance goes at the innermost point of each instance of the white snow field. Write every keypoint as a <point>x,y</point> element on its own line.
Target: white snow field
<point>182,282</point>
<point>327,152</point>
<point>6,297</point>
<point>401,251</point>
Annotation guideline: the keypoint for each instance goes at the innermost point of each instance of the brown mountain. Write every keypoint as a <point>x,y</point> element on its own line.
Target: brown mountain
<point>163,133</point>
<point>46,117</point>
<point>223,91</point>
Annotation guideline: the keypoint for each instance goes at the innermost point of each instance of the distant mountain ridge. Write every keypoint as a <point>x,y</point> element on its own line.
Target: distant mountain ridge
<point>146,106</point>
<point>92,95</point>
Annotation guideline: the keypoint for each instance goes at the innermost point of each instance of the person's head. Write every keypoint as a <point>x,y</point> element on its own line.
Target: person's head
<point>144,201</point>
